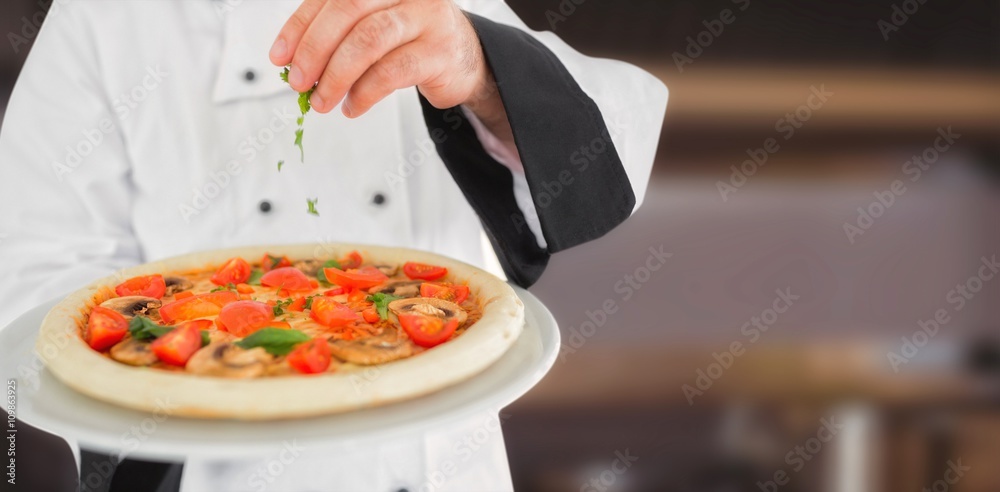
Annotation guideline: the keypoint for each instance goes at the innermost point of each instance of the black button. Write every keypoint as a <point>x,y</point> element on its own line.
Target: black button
<point>378,199</point>
<point>249,75</point>
<point>265,206</point>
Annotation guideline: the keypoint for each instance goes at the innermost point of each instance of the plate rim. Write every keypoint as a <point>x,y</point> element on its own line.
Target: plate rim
<point>538,319</point>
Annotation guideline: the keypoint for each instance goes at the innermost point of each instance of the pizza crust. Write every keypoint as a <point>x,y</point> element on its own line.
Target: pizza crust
<point>73,362</point>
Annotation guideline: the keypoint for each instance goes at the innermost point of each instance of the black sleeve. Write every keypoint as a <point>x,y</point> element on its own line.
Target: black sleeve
<point>577,182</point>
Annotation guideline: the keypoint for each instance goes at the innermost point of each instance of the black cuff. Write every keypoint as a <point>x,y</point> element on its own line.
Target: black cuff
<point>577,182</point>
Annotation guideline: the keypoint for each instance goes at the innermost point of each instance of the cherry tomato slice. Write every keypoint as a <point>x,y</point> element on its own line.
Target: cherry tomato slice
<point>356,296</point>
<point>336,291</point>
<point>331,313</point>
<point>370,315</point>
<point>105,328</point>
<point>454,293</point>
<point>363,278</point>
<point>288,278</point>
<point>270,262</point>
<point>352,260</point>
<point>242,318</point>
<point>298,305</point>
<point>198,324</point>
<point>461,293</point>
<point>311,357</point>
<point>233,271</point>
<point>177,347</point>
<point>423,271</point>
<point>147,285</point>
<point>198,306</point>
<point>427,331</point>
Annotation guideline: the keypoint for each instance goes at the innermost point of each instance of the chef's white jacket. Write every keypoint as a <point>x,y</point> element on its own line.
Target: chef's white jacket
<point>140,130</point>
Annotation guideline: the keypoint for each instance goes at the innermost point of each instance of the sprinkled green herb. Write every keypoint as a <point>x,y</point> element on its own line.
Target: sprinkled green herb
<point>311,203</point>
<point>230,286</point>
<point>280,163</point>
<point>304,107</point>
<point>279,308</point>
<point>298,143</point>
<point>309,302</point>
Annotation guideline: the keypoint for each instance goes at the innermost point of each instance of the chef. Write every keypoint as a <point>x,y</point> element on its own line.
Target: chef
<point>142,130</point>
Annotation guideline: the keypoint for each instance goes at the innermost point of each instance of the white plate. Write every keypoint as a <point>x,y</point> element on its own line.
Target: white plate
<point>46,403</point>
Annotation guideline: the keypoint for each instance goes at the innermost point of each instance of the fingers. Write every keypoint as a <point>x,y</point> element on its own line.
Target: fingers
<point>405,67</point>
<point>328,28</point>
<point>371,39</point>
<point>290,34</point>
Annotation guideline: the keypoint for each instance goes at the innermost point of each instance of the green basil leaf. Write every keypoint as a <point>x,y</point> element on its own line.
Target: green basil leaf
<point>205,338</point>
<point>275,341</point>
<point>321,275</point>
<point>143,328</point>
<point>255,276</point>
<point>382,301</point>
<point>275,260</point>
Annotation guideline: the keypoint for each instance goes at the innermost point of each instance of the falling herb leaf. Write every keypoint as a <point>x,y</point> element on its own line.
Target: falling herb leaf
<point>280,163</point>
<point>298,143</point>
<point>304,107</point>
<point>311,202</point>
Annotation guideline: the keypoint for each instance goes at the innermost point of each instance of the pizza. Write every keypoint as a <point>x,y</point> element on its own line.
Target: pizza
<point>266,333</point>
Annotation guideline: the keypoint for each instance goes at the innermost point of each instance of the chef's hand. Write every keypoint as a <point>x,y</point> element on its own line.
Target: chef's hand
<point>366,49</point>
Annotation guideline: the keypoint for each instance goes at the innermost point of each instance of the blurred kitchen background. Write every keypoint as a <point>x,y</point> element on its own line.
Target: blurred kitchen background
<point>843,391</point>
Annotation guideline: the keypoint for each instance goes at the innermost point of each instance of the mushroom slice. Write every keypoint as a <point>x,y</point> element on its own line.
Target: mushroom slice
<point>176,284</point>
<point>309,267</point>
<point>429,306</point>
<point>388,346</point>
<point>133,352</point>
<point>399,288</point>
<point>130,306</point>
<point>223,359</point>
<point>388,270</point>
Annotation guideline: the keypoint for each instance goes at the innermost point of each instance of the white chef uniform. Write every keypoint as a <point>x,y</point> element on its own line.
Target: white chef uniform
<point>140,130</point>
